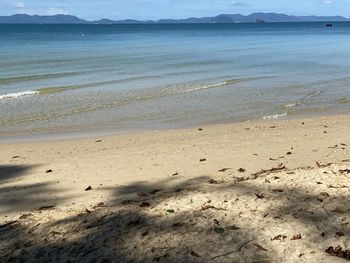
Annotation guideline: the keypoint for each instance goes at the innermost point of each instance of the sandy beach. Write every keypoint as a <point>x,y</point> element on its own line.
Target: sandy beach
<point>268,191</point>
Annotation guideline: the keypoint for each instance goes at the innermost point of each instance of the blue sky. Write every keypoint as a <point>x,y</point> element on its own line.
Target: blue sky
<point>154,9</point>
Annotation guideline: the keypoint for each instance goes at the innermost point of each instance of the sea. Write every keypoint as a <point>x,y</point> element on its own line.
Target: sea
<point>71,80</point>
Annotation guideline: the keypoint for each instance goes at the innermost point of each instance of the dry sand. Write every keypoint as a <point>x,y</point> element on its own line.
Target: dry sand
<point>215,201</point>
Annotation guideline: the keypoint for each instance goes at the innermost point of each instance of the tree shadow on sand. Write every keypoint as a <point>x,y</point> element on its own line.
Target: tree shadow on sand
<point>9,172</point>
<point>198,220</point>
<point>20,198</point>
<point>161,224</point>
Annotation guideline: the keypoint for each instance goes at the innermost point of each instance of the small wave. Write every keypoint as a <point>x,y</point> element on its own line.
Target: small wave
<point>170,89</point>
<point>13,79</point>
<point>18,94</point>
<point>302,100</point>
<point>292,105</point>
<point>57,89</point>
<point>207,86</point>
<point>312,94</point>
<point>197,87</point>
<point>275,116</point>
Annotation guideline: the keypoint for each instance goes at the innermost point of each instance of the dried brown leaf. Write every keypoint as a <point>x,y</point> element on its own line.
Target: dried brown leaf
<point>260,196</point>
<point>338,252</point>
<point>296,237</point>
<point>233,227</point>
<point>279,237</point>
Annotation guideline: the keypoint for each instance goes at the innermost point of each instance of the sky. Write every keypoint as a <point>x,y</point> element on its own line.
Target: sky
<point>156,9</point>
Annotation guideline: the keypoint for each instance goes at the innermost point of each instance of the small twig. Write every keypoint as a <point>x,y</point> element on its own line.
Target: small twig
<point>206,207</point>
<point>239,249</point>
<point>261,173</point>
<point>267,172</point>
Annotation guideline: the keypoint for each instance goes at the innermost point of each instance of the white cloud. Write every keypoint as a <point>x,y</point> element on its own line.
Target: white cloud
<point>20,7</point>
<point>239,4</point>
<point>56,11</point>
<point>328,2</point>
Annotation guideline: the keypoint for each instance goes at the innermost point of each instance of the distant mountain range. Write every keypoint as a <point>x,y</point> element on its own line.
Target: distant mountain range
<point>224,18</point>
<point>27,19</point>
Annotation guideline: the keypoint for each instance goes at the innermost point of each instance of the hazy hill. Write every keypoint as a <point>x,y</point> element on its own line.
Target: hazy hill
<point>27,19</point>
<point>223,18</point>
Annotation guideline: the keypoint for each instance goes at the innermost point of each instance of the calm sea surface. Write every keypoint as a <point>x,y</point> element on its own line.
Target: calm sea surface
<point>85,78</point>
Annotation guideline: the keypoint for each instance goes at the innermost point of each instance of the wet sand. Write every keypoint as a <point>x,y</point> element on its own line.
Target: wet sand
<point>247,192</point>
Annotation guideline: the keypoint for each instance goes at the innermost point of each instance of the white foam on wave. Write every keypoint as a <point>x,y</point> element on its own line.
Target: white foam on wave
<point>207,86</point>
<point>292,105</point>
<point>19,94</point>
<point>275,116</point>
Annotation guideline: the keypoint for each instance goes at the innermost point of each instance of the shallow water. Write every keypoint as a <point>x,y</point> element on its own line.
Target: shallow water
<point>62,78</point>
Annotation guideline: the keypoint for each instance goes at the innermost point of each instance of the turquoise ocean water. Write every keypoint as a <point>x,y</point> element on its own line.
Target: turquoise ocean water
<point>86,78</point>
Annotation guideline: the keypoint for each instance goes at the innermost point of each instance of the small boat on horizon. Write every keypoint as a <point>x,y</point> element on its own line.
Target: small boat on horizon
<point>329,25</point>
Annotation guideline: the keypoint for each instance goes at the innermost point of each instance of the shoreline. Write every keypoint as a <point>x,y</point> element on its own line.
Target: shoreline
<point>90,133</point>
<point>224,184</point>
